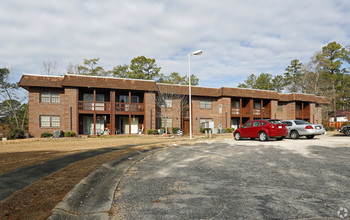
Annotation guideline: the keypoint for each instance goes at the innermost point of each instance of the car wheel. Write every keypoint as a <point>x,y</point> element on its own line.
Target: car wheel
<point>238,136</point>
<point>294,135</point>
<point>310,136</point>
<point>263,136</point>
<point>347,132</point>
<point>280,138</point>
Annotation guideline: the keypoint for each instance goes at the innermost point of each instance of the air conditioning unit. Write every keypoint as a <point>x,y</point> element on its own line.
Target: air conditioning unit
<point>57,133</point>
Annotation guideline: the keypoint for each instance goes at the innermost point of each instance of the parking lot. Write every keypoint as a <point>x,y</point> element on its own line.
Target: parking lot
<point>227,179</point>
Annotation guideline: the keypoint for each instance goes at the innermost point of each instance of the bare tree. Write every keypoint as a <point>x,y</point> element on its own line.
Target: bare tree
<point>164,98</point>
<point>49,68</point>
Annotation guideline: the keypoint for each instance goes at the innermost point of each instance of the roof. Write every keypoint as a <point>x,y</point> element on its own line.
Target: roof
<point>341,113</point>
<point>82,81</point>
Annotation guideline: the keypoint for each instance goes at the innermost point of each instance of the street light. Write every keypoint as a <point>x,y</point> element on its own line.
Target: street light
<point>197,52</point>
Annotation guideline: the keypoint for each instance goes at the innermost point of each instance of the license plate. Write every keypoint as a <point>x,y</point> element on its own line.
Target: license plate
<point>318,127</point>
<point>280,126</point>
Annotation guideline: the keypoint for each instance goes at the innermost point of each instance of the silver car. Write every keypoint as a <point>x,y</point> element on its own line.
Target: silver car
<point>297,128</point>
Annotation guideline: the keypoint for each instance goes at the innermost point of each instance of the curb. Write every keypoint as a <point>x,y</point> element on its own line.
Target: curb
<point>92,198</point>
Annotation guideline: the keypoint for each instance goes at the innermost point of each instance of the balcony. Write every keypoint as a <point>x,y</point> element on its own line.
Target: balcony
<point>89,106</point>
<point>245,112</point>
<point>236,111</point>
<point>135,108</point>
<point>302,114</point>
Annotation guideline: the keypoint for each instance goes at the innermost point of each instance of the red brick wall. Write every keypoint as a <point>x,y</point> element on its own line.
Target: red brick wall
<point>150,111</point>
<point>36,109</point>
<point>223,118</point>
<point>173,112</point>
<point>71,100</point>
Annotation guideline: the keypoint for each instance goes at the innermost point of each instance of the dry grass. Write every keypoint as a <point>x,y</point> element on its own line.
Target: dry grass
<point>37,200</point>
<point>20,153</point>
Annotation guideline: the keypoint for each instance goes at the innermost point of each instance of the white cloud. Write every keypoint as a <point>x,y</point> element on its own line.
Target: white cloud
<point>237,38</point>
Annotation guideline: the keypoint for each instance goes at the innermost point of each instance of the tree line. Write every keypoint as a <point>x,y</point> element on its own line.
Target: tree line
<point>326,74</point>
<point>140,68</point>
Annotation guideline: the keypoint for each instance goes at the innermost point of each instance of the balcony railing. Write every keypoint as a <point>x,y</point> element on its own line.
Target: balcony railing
<point>245,112</point>
<point>93,106</point>
<point>302,113</point>
<point>236,111</point>
<point>256,111</point>
<point>132,107</point>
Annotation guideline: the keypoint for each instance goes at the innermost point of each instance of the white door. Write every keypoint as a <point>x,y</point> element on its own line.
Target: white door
<point>88,125</point>
<point>234,123</point>
<point>134,125</point>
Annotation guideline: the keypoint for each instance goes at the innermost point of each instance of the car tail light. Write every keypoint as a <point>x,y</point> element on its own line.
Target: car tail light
<point>309,127</point>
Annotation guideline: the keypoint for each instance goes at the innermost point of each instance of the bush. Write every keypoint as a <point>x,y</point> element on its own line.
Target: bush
<point>16,134</point>
<point>175,130</point>
<point>152,131</point>
<point>332,128</point>
<point>346,123</point>
<point>69,134</point>
<point>46,135</point>
<point>229,130</point>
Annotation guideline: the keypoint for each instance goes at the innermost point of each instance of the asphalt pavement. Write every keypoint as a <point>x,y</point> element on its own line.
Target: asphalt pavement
<point>289,179</point>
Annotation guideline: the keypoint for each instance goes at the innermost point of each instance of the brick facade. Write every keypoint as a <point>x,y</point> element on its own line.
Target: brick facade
<point>253,104</point>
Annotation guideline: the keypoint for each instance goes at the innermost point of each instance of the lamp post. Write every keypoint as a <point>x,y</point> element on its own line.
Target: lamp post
<point>197,52</point>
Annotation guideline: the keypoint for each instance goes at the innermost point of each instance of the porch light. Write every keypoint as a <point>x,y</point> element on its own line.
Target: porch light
<point>197,52</point>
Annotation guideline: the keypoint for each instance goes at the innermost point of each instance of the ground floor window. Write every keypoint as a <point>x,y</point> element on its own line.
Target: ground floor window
<point>205,122</point>
<point>164,122</point>
<point>49,121</point>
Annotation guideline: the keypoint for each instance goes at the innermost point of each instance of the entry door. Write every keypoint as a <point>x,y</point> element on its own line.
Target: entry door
<point>88,125</point>
<point>234,123</point>
<point>134,125</point>
<point>186,126</point>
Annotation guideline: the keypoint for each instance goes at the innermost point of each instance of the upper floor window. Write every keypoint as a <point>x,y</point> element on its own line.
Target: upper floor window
<point>235,104</point>
<point>50,97</point>
<point>205,104</point>
<point>125,99</point>
<point>167,102</point>
<point>257,104</point>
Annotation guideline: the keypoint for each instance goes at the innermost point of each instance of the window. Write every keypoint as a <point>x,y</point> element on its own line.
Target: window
<point>256,123</point>
<point>125,99</point>
<point>165,122</point>
<point>288,123</point>
<point>205,104</point>
<point>49,121</point>
<point>248,125</point>
<point>257,104</point>
<point>204,122</point>
<point>166,102</point>
<point>50,97</point>
<point>235,104</point>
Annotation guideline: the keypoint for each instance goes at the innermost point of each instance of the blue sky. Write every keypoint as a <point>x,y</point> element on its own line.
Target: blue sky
<point>238,38</point>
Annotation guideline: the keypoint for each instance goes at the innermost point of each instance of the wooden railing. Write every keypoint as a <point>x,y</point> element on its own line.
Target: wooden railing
<point>302,113</point>
<point>236,111</point>
<point>245,112</point>
<point>91,106</point>
<point>126,107</point>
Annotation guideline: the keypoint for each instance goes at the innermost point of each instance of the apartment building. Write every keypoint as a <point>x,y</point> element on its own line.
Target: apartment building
<point>90,105</point>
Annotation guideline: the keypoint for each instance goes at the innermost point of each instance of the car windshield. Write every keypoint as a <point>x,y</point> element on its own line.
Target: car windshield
<point>301,122</point>
<point>275,121</point>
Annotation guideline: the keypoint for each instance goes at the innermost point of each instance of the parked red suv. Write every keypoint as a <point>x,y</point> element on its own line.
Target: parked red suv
<point>262,129</point>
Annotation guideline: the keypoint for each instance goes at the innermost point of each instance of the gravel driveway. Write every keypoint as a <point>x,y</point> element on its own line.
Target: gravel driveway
<point>289,179</point>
